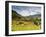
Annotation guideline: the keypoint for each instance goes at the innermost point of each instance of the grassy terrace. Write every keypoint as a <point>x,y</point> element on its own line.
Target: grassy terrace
<point>24,25</point>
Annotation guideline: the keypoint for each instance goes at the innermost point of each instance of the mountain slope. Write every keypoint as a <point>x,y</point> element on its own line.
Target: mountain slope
<point>17,16</point>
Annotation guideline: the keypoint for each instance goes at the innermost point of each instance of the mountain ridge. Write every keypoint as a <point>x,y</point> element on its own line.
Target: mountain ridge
<point>18,16</point>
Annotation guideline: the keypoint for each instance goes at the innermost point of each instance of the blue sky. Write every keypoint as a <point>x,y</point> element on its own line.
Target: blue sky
<point>27,10</point>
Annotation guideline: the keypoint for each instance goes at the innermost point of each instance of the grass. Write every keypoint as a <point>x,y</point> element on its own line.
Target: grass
<point>24,25</point>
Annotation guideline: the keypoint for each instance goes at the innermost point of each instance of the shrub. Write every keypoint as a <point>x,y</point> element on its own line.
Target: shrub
<point>20,22</point>
<point>37,21</point>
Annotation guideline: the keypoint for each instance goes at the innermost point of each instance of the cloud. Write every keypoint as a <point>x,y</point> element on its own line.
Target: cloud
<point>27,10</point>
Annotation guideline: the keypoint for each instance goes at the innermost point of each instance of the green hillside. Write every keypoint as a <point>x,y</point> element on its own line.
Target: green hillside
<point>25,23</point>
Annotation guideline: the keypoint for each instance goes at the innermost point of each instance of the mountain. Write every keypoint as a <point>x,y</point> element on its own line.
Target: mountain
<point>14,13</point>
<point>37,15</point>
<point>17,16</point>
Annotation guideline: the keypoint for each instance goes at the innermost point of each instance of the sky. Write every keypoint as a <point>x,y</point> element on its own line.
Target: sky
<point>27,10</point>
